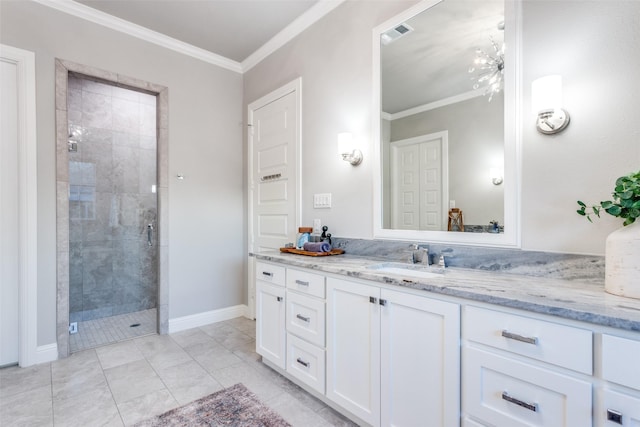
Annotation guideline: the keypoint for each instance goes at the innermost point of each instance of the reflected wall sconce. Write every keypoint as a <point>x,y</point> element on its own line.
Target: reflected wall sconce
<point>496,175</point>
<point>348,150</point>
<point>546,101</point>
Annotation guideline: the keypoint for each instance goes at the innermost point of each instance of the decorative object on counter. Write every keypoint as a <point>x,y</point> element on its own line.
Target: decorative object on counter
<point>308,253</point>
<point>303,236</point>
<point>325,237</point>
<point>495,226</point>
<point>317,247</point>
<point>622,250</point>
<point>456,221</point>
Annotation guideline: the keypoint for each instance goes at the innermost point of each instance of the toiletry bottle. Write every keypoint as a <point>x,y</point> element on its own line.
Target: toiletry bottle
<point>303,236</point>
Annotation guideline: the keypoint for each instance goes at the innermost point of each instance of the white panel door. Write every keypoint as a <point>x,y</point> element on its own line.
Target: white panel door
<point>420,361</point>
<point>353,348</point>
<point>418,172</point>
<point>270,326</point>
<point>274,173</point>
<point>9,225</point>
<point>405,184</point>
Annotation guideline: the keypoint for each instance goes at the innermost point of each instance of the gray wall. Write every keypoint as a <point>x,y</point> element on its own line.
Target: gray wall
<point>590,43</point>
<point>476,135</point>
<point>205,144</point>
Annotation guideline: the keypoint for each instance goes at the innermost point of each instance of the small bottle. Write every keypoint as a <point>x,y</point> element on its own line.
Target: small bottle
<point>303,236</point>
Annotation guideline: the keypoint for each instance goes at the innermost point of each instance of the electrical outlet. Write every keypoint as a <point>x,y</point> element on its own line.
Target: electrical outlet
<point>73,327</point>
<point>317,226</point>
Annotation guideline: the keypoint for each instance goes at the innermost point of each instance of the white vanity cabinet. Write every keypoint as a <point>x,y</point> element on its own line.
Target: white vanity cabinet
<point>392,357</point>
<point>305,325</point>
<point>270,313</point>
<point>620,367</point>
<point>522,371</point>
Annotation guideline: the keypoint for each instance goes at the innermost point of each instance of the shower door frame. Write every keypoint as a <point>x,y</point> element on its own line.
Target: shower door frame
<point>63,68</point>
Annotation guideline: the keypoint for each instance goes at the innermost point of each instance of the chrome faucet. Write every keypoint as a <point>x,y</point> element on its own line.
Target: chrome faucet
<point>419,254</point>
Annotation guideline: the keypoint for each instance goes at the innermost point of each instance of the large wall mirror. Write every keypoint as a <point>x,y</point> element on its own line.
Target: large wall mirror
<point>446,123</point>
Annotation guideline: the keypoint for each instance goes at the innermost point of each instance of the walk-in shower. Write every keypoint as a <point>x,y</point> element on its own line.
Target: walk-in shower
<point>113,211</point>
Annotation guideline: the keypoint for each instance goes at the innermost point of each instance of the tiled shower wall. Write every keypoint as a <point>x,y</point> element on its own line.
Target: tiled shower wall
<point>112,199</point>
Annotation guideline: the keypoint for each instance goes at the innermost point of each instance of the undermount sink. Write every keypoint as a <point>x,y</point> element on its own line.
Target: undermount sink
<point>409,270</point>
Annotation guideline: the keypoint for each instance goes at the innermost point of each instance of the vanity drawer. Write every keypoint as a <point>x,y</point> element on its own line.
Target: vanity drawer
<point>560,345</point>
<point>306,362</point>
<point>271,273</point>
<point>305,317</point>
<point>620,358</point>
<point>505,392</point>
<point>307,283</point>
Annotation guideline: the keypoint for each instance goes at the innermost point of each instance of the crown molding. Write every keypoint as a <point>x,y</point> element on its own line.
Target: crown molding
<point>433,105</point>
<point>85,12</point>
<point>304,21</point>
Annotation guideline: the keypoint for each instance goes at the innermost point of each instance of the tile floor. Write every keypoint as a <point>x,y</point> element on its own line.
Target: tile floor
<point>123,383</point>
<point>108,330</point>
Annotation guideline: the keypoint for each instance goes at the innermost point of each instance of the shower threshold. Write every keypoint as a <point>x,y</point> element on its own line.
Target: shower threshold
<point>109,330</point>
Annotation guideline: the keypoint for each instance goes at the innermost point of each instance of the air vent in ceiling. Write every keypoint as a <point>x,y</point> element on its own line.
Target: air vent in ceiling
<point>395,33</point>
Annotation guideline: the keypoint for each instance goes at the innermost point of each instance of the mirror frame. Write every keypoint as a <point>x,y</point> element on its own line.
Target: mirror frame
<point>512,135</point>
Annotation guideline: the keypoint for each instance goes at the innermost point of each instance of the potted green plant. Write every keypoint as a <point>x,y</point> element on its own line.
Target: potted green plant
<point>625,203</point>
<point>622,249</point>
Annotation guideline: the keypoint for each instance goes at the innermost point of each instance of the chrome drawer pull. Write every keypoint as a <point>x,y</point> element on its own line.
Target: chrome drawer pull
<point>530,406</point>
<point>266,273</point>
<point>304,319</point>
<point>301,283</point>
<point>512,336</point>
<point>302,362</point>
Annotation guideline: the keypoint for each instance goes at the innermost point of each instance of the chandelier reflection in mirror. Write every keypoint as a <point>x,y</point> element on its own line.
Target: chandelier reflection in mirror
<point>488,68</point>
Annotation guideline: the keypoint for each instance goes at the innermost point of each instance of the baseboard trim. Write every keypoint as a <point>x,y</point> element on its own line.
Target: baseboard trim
<point>46,353</point>
<point>201,319</point>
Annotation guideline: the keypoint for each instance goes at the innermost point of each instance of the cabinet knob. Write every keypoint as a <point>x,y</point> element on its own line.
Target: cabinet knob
<point>279,298</point>
<point>373,300</point>
<point>383,302</point>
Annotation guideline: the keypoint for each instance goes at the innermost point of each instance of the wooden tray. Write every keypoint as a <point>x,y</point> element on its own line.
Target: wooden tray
<point>307,253</point>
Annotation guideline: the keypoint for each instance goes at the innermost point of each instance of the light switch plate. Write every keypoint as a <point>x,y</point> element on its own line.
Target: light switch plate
<point>322,200</point>
<point>317,226</point>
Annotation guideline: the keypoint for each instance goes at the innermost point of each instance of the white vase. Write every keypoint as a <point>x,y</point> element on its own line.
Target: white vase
<point>622,261</point>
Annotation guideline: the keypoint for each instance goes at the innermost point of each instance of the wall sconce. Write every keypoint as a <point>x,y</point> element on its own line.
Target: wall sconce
<point>546,101</point>
<point>496,175</point>
<point>347,149</point>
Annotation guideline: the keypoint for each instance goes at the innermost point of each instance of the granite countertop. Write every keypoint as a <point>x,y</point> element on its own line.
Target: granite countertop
<point>582,300</point>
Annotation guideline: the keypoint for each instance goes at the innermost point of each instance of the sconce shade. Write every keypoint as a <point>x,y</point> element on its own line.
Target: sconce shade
<point>546,93</point>
<point>345,143</point>
<point>546,102</point>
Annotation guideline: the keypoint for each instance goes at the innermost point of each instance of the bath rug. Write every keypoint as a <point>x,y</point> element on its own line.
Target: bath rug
<point>234,406</point>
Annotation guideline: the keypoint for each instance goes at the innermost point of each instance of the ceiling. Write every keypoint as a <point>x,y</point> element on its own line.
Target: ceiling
<point>233,29</point>
<point>432,62</point>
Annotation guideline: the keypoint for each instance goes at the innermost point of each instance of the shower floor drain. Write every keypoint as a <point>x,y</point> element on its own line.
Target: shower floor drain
<point>135,325</point>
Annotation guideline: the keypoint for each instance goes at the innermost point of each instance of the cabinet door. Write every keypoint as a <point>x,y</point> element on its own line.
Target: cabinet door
<point>270,326</point>
<point>620,409</point>
<point>420,361</point>
<point>353,348</point>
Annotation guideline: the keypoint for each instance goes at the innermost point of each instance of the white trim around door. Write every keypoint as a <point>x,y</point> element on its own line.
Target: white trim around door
<point>24,62</point>
<point>293,87</point>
